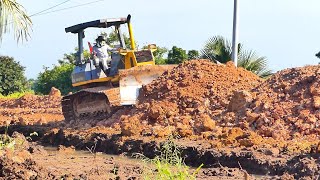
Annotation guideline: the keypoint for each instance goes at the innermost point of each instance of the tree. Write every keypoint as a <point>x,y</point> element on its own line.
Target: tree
<point>318,55</point>
<point>219,50</point>
<point>59,76</point>
<point>193,54</point>
<point>30,84</point>
<point>176,55</point>
<point>250,61</point>
<point>12,77</point>
<point>13,15</point>
<point>159,55</point>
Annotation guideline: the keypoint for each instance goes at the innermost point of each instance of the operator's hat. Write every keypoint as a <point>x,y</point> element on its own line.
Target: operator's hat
<point>101,38</point>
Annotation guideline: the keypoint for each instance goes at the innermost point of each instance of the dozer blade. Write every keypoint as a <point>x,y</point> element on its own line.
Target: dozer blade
<point>131,80</point>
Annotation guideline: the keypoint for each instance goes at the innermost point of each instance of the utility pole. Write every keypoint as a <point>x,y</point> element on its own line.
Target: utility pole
<point>235,34</point>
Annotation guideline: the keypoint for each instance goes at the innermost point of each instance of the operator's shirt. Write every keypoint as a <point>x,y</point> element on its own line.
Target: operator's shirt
<point>102,52</point>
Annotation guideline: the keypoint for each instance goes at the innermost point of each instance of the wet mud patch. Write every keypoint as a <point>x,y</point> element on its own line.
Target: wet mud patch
<point>254,161</point>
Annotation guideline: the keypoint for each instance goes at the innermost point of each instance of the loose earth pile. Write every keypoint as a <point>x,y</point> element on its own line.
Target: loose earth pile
<point>31,109</point>
<point>231,107</point>
<point>286,106</point>
<point>186,98</point>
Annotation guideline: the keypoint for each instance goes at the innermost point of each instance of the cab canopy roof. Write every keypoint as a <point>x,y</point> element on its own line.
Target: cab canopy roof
<point>102,23</point>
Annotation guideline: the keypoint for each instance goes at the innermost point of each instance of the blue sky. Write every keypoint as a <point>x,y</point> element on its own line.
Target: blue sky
<point>286,31</point>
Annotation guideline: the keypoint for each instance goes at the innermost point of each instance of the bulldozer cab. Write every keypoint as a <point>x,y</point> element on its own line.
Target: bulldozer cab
<point>102,23</point>
<point>87,73</point>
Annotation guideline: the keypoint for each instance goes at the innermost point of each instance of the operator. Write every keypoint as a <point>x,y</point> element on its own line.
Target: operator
<point>101,55</point>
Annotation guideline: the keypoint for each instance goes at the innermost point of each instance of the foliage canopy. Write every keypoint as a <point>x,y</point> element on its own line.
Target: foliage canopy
<point>59,77</point>
<point>219,50</point>
<point>176,55</point>
<point>12,77</point>
<point>12,14</point>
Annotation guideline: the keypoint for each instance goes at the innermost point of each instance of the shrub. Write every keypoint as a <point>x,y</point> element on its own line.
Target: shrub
<point>169,164</point>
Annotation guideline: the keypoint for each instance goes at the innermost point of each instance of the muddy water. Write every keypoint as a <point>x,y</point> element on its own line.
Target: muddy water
<point>53,151</point>
<point>68,162</point>
<point>84,164</point>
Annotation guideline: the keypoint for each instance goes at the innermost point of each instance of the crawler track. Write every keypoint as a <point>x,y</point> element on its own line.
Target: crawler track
<point>91,103</point>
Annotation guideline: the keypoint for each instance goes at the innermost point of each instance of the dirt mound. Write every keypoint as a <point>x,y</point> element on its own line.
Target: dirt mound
<point>32,101</point>
<point>186,98</point>
<point>31,109</point>
<point>286,106</point>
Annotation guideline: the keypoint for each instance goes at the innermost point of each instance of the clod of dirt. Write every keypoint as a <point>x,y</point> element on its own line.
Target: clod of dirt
<point>66,150</point>
<point>37,149</point>
<point>54,92</point>
<point>239,100</point>
<point>224,173</point>
<point>130,126</point>
<point>21,140</point>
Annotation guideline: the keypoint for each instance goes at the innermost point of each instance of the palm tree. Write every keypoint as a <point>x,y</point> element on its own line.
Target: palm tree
<point>219,50</point>
<point>13,15</point>
<point>318,55</point>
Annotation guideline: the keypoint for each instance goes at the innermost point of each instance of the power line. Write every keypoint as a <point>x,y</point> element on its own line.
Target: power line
<point>71,7</point>
<point>35,14</point>
<point>42,12</point>
<point>39,13</point>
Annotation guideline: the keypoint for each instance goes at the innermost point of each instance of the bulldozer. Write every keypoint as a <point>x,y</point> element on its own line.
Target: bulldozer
<point>103,92</point>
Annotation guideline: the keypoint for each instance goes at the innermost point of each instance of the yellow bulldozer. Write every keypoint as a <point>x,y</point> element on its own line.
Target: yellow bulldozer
<point>103,92</point>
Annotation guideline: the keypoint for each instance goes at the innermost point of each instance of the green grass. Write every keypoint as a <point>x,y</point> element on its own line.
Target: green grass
<point>16,95</point>
<point>169,165</point>
<point>6,142</point>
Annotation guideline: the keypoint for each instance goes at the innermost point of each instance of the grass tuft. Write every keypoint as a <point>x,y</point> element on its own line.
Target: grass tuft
<point>169,165</point>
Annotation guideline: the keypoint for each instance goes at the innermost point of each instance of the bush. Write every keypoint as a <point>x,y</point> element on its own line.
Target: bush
<point>177,55</point>
<point>169,164</point>
<point>12,77</point>
<point>59,77</point>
